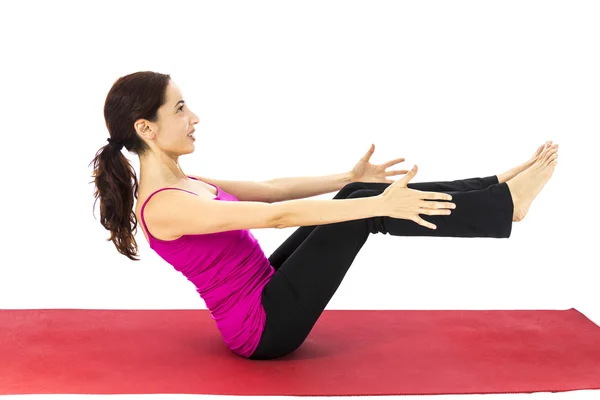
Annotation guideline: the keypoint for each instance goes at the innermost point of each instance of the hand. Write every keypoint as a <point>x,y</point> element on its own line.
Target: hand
<point>364,171</point>
<point>400,201</point>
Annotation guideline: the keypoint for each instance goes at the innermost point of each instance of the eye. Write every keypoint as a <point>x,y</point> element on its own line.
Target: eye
<point>180,108</point>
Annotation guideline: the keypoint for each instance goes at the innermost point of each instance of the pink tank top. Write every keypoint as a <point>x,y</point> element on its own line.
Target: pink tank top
<point>229,270</point>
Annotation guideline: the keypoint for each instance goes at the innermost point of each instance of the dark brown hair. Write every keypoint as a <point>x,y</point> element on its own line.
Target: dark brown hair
<point>134,96</point>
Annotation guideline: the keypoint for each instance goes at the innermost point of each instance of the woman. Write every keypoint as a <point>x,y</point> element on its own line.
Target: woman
<point>266,307</point>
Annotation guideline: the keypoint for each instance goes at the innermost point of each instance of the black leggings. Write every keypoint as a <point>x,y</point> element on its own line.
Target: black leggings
<point>311,264</point>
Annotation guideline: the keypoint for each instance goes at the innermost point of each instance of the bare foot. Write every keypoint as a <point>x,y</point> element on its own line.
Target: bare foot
<point>511,173</point>
<point>525,187</point>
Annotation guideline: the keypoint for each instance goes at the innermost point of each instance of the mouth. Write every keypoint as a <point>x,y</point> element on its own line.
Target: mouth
<point>191,135</point>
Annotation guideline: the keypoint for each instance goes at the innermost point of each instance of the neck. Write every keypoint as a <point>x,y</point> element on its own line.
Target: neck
<point>161,168</point>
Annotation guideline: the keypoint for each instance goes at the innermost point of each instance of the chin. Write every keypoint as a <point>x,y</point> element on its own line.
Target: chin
<point>191,151</point>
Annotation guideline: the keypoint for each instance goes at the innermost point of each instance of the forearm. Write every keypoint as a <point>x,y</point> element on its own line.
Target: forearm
<point>319,212</point>
<point>302,187</point>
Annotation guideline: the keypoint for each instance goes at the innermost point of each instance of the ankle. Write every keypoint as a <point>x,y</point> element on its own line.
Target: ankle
<point>502,177</point>
<point>513,193</point>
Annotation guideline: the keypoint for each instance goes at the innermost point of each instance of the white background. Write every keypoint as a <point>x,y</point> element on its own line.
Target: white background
<point>460,88</point>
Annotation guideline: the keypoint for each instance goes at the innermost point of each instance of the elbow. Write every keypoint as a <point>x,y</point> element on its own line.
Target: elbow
<point>279,221</point>
<point>276,193</point>
<point>279,224</point>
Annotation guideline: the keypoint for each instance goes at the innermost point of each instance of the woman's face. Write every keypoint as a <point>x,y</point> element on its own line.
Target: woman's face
<point>175,122</point>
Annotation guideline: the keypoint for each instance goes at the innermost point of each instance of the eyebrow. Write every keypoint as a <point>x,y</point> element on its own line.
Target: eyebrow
<point>180,101</point>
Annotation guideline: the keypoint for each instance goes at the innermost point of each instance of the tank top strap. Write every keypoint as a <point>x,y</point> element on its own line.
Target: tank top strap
<point>146,202</point>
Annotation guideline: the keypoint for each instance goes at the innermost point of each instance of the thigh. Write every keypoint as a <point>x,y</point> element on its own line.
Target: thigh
<point>281,254</point>
<point>299,291</point>
<point>281,308</point>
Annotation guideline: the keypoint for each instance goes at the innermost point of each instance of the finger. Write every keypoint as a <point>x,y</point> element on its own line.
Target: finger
<point>392,173</point>
<point>436,205</point>
<point>424,223</point>
<point>369,153</point>
<point>410,174</point>
<point>429,211</point>
<point>396,161</point>
<point>435,196</point>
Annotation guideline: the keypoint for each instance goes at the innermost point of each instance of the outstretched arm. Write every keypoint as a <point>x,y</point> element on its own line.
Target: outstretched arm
<point>281,189</point>
<point>302,187</point>
<point>263,192</point>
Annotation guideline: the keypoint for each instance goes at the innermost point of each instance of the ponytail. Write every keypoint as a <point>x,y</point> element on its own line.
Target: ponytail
<point>116,186</point>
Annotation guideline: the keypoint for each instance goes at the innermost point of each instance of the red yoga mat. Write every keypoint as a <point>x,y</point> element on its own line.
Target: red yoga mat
<point>348,353</point>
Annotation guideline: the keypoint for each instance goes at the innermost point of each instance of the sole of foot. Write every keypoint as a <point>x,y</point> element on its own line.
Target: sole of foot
<point>525,187</point>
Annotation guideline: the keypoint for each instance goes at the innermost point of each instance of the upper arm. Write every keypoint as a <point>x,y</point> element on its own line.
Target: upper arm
<point>264,192</point>
<point>175,213</point>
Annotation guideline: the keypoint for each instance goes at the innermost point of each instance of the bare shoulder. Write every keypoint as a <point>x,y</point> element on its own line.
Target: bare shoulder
<point>162,210</point>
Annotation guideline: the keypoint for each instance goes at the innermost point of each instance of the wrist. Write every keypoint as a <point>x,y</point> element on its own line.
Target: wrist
<point>349,177</point>
<point>378,205</point>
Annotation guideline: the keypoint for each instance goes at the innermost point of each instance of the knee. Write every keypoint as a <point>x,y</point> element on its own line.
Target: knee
<point>348,189</point>
<point>363,193</point>
<point>374,224</point>
<point>352,186</point>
